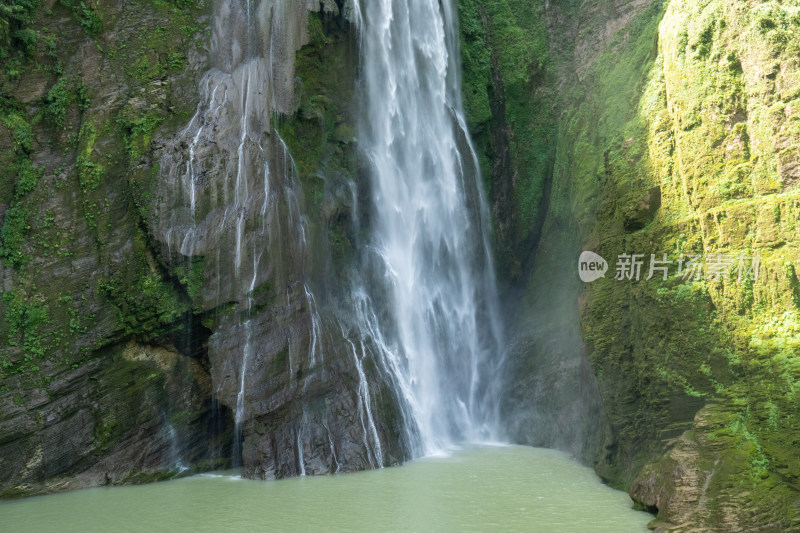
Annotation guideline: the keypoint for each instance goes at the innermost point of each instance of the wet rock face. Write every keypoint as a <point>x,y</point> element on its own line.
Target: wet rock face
<point>680,139</point>
<point>171,214</point>
<point>316,424</point>
<point>138,413</point>
<point>298,403</point>
<point>244,206</point>
<point>103,374</point>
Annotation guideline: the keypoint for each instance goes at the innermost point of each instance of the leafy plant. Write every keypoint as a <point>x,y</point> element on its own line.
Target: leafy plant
<point>86,15</point>
<point>14,16</point>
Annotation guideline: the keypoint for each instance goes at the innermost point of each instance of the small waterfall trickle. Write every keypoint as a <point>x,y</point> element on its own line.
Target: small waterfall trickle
<point>301,462</point>
<point>176,460</point>
<point>371,440</point>
<point>235,201</point>
<point>316,328</point>
<point>331,446</point>
<point>247,353</point>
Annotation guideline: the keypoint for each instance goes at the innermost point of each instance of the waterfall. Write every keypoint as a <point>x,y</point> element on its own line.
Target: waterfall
<point>426,297</point>
<point>232,197</point>
<point>415,369</point>
<point>176,461</point>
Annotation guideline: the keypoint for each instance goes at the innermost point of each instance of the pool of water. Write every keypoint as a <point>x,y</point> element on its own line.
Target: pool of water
<point>486,488</point>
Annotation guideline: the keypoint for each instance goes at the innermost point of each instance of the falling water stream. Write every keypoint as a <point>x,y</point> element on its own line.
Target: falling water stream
<point>437,328</point>
<point>234,180</point>
<point>424,298</point>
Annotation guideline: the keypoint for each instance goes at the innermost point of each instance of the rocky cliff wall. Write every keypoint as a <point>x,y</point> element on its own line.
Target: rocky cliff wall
<point>156,248</point>
<point>100,381</point>
<point>161,241</point>
<point>675,134</point>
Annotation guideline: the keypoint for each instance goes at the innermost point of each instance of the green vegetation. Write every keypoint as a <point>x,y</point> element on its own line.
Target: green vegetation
<point>312,132</point>
<point>86,15</point>
<point>320,133</point>
<point>15,223</point>
<point>190,275</point>
<point>24,321</point>
<point>699,375</point>
<point>138,130</point>
<point>692,104</point>
<point>45,103</point>
<point>507,78</point>
<point>57,101</point>
<point>81,275</point>
<point>15,15</point>
<point>151,307</point>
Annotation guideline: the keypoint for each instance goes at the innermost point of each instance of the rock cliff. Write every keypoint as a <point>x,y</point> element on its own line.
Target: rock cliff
<point>668,128</point>
<point>165,254</point>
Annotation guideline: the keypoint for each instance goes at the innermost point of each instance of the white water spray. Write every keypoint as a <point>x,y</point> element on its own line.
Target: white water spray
<point>438,335</point>
<point>372,442</point>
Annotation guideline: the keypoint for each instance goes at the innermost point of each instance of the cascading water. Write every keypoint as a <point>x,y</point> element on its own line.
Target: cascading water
<point>235,203</point>
<point>428,302</point>
<point>422,340</point>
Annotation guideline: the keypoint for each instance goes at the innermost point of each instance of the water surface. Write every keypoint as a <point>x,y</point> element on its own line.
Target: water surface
<point>494,488</point>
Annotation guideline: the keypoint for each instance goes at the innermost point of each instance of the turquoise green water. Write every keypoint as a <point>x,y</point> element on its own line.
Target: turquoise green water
<point>481,489</point>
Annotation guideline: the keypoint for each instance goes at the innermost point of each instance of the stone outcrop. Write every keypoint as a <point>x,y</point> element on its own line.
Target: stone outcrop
<point>104,374</point>
<point>132,414</point>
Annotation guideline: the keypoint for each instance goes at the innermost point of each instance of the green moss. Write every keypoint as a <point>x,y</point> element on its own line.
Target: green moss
<point>15,15</point>
<point>20,130</point>
<point>90,174</point>
<point>794,284</point>
<point>311,132</point>
<point>27,177</point>
<point>190,275</point>
<point>477,67</point>
<point>15,227</point>
<point>506,71</point>
<point>23,322</point>
<point>712,362</point>
<point>138,130</point>
<point>19,182</point>
<point>161,51</point>
<point>341,246</point>
<point>320,134</point>
<point>150,307</point>
<point>264,289</point>
<point>86,15</point>
<point>82,152</point>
